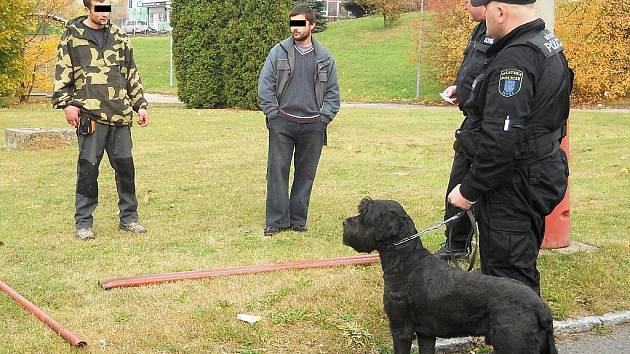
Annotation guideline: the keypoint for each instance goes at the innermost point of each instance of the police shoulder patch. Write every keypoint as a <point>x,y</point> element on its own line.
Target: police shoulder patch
<point>510,82</point>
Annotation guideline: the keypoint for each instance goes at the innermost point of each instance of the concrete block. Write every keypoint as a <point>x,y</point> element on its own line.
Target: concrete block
<point>39,138</point>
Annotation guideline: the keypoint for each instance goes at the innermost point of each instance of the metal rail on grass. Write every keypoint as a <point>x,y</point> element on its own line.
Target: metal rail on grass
<point>42,316</point>
<point>210,273</point>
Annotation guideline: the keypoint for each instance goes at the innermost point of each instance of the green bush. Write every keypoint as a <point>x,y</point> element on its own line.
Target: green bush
<point>219,48</point>
<point>13,25</point>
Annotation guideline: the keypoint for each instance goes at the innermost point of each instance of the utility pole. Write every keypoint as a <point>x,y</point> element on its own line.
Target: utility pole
<point>546,11</point>
<point>558,223</point>
<point>170,52</point>
<point>418,77</point>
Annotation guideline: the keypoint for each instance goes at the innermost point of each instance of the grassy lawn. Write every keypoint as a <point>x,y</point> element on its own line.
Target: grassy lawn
<point>373,63</point>
<point>152,58</point>
<point>201,187</point>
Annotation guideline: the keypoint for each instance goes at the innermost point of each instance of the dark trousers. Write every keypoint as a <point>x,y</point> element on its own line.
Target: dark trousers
<point>458,229</point>
<point>511,219</point>
<point>117,142</point>
<point>288,140</point>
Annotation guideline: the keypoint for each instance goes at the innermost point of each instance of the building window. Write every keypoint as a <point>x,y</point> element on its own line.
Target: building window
<point>333,9</point>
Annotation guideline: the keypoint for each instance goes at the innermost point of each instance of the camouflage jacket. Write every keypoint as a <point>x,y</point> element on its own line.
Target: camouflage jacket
<point>103,82</point>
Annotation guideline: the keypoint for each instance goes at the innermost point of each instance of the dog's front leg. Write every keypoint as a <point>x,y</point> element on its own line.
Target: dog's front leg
<point>426,345</point>
<point>402,334</point>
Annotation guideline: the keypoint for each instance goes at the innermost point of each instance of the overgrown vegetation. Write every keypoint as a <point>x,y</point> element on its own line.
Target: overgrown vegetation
<point>595,35</point>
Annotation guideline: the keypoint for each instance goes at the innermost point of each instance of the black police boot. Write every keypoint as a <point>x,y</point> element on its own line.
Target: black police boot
<point>455,253</point>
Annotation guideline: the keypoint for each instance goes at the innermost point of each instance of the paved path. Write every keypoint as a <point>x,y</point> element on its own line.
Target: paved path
<point>170,99</point>
<point>615,342</point>
<point>574,336</point>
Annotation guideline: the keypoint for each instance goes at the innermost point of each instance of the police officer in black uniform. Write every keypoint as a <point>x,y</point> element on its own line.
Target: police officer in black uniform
<point>519,173</point>
<point>458,231</point>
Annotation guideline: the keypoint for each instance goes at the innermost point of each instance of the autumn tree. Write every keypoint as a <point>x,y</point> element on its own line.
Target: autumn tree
<point>46,22</point>
<point>595,35</point>
<point>389,9</point>
<point>596,39</point>
<point>446,39</point>
<point>13,19</point>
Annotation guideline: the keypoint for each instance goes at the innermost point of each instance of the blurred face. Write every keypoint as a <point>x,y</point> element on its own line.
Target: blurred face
<point>303,30</point>
<point>476,14</point>
<point>97,13</point>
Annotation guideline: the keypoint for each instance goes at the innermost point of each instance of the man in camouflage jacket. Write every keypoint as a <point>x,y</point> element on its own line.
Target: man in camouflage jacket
<point>96,81</point>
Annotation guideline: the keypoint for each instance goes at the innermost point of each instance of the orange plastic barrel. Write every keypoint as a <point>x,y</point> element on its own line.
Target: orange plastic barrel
<point>558,223</point>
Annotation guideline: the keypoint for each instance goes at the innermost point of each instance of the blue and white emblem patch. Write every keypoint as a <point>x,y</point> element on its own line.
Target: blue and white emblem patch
<point>510,82</point>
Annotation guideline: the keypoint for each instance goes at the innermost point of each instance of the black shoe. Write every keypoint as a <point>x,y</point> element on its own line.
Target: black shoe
<point>270,230</point>
<point>456,253</point>
<point>298,228</point>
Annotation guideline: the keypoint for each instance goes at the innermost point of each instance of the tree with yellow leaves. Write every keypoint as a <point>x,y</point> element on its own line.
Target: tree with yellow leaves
<point>389,9</point>
<point>13,19</point>
<point>596,38</point>
<point>46,22</point>
<point>595,35</point>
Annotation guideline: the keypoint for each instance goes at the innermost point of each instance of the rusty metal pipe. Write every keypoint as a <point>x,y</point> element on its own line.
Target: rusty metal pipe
<point>42,316</point>
<point>261,268</point>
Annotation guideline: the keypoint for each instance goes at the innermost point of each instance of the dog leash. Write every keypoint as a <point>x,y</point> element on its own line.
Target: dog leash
<point>473,233</point>
<point>429,229</point>
<point>439,224</point>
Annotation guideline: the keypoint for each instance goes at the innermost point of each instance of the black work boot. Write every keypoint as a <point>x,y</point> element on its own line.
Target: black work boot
<point>457,253</point>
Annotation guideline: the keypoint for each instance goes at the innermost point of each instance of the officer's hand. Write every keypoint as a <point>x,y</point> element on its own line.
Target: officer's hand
<point>72,115</point>
<point>144,117</point>
<point>451,92</point>
<point>458,200</point>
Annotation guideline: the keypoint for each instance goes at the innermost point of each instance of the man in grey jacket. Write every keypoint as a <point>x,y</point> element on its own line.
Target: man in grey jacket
<point>299,95</point>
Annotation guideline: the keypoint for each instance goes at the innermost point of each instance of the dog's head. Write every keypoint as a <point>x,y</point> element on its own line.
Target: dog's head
<point>379,223</point>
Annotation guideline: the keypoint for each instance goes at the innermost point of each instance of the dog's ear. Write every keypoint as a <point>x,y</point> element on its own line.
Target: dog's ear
<point>408,225</point>
<point>392,224</point>
<point>364,205</point>
<point>396,223</point>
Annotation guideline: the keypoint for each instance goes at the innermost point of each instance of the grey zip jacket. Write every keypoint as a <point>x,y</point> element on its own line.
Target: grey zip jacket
<point>276,74</point>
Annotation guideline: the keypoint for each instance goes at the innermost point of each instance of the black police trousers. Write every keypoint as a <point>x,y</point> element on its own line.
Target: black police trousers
<point>458,230</point>
<point>511,219</point>
<point>117,142</point>
<point>288,140</point>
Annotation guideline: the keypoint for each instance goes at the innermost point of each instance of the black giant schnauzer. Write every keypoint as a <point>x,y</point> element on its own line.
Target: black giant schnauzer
<point>427,298</point>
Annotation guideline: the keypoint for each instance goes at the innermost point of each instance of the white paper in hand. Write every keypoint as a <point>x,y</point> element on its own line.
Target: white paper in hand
<point>445,97</point>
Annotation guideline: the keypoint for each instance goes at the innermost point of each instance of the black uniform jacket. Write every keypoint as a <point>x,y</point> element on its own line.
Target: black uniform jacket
<point>473,63</point>
<point>522,97</point>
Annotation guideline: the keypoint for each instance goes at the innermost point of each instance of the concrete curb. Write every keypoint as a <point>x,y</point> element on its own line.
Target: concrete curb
<point>569,326</point>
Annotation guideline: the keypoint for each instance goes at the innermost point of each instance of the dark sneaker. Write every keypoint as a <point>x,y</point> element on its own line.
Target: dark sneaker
<point>455,253</point>
<point>270,230</point>
<point>134,227</point>
<point>298,228</point>
<point>85,234</point>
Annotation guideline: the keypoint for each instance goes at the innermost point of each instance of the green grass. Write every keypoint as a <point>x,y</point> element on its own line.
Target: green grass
<point>373,63</point>
<point>201,187</point>
<point>152,58</point>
